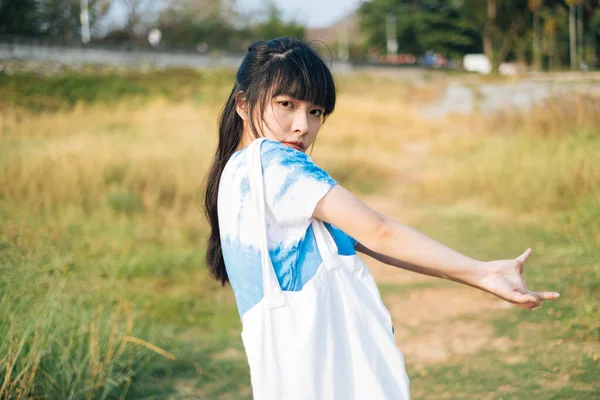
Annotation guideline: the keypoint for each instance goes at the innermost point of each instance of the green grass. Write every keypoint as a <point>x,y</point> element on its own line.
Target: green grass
<point>61,279</point>
<point>551,340</point>
<point>64,90</point>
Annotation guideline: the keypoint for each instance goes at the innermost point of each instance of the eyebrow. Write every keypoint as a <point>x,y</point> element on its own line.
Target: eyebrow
<point>295,98</point>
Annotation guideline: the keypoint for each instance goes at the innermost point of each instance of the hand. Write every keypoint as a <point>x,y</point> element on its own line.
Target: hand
<point>504,279</point>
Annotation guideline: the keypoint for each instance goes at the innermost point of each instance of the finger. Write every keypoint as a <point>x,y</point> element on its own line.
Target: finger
<point>546,295</point>
<point>523,257</point>
<point>520,298</point>
<point>528,305</point>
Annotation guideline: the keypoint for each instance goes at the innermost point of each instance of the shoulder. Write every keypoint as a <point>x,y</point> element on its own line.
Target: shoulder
<point>276,154</point>
<point>272,151</point>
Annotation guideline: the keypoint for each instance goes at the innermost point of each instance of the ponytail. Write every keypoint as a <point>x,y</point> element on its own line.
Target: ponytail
<point>230,134</point>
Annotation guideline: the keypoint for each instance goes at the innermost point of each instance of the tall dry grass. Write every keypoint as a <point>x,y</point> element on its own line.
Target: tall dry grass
<point>559,116</point>
<point>124,158</point>
<point>546,159</point>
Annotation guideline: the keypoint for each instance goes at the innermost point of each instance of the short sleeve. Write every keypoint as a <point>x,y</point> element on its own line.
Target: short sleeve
<point>294,184</point>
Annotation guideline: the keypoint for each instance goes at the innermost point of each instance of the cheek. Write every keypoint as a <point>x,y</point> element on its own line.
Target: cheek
<point>278,121</point>
<point>315,126</point>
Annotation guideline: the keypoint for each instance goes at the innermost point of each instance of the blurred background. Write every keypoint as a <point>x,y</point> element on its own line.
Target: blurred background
<point>477,122</point>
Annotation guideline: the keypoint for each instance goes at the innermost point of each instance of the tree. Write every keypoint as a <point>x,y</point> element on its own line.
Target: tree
<point>594,21</point>
<point>572,35</point>
<point>53,18</point>
<point>535,6</point>
<point>61,18</point>
<point>274,26</point>
<point>551,31</point>
<point>135,10</point>
<point>502,23</point>
<point>19,17</point>
<point>214,23</point>
<point>436,25</point>
<point>207,22</point>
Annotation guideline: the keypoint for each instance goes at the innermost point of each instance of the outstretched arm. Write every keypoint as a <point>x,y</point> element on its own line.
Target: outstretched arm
<point>402,246</point>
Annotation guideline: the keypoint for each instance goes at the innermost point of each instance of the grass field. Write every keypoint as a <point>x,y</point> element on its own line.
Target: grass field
<point>104,293</point>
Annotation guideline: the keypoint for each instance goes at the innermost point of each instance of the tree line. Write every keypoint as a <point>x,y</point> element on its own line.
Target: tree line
<point>206,24</point>
<point>547,34</point>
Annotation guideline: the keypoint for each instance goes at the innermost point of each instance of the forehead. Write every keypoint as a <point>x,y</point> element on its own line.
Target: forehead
<point>298,86</point>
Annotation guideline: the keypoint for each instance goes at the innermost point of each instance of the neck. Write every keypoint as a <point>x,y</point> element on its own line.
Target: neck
<point>245,140</point>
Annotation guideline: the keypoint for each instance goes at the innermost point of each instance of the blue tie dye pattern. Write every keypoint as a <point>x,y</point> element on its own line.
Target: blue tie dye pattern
<point>295,259</point>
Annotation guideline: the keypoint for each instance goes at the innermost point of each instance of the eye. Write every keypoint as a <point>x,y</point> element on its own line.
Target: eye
<point>317,112</point>
<point>285,103</point>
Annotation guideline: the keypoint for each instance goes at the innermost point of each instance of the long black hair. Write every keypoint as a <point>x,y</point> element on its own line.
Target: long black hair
<point>270,68</point>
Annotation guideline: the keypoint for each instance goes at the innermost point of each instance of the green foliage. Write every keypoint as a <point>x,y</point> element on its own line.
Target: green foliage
<point>274,26</point>
<point>421,26</point>
<point>215,33</point>
<point>182,27</point>
<point>53,18</point>
<point>458,27</point>
<point>64,90</point>
<point>216,27</point>
<point>19,17</point>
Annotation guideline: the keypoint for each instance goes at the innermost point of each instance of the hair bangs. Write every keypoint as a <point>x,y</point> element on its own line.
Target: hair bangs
<point>303,75</point>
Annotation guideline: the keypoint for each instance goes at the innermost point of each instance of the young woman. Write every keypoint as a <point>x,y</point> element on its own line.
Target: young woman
<point>284,234</point>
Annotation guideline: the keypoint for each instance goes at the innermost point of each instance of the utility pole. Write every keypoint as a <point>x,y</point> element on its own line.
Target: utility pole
<point>489,33</point>
<point>572,35</point>
<point>392,42</point>
<point>580,43</point>
<point>85,22</point>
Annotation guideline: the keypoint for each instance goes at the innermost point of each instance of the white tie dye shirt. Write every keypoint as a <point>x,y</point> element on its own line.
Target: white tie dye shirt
<point>293,187</point>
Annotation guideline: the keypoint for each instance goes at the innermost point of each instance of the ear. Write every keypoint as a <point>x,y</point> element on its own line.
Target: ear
<point>241,106</point>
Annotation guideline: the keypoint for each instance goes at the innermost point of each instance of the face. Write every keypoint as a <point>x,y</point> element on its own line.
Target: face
<point>290,121</point>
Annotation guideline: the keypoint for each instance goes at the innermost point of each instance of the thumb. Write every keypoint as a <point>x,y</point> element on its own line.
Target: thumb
<point>523,257</point>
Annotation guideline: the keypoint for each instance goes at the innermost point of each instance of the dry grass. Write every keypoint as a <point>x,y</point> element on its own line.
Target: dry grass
<point>557,116</point>
<point>543,161</point>
<point>157,154</point>
<point>154,157</point>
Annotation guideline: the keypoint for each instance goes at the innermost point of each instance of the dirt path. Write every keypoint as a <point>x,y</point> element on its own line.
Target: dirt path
<point>437,324</point>
<point>432,324</point>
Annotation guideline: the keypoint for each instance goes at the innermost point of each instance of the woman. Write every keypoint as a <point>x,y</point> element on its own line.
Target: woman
<point>284,234</point>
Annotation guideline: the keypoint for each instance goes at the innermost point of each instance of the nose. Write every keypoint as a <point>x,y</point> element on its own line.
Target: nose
<point>300,123</point>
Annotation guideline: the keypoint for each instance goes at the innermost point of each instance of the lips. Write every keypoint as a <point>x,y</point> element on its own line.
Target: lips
<point>295,145</point>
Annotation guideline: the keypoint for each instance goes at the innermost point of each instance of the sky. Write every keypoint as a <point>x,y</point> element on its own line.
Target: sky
<point>311,13</point>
